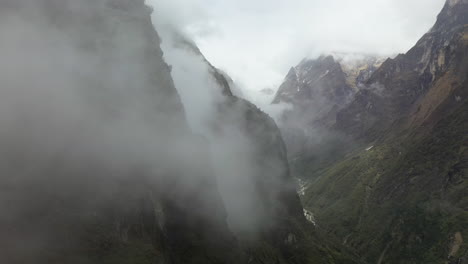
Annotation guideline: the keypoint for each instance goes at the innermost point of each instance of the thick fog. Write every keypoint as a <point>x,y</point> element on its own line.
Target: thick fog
<point>86,106</point>
<point>57,94</point>
<point>88,110</point>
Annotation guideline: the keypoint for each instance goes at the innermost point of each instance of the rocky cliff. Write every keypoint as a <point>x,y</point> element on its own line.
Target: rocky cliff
<point>400,83</point>
<point>101,165</point>
<point>271,226</point>
<point>401,196</point>
<point>317,90</point>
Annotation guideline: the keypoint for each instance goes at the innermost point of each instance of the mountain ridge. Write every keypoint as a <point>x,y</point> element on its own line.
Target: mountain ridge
<point>398,195</point>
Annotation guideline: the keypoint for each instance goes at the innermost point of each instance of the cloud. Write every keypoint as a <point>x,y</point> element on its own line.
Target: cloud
<point>256,42</point>
<point>87,112</point>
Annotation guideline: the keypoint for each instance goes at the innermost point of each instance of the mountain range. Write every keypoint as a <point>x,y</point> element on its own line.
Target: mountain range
<point>100,163</point>
<point>385,165</point>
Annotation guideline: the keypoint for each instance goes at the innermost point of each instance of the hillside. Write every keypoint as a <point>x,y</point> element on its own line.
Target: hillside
<point>399,195</point>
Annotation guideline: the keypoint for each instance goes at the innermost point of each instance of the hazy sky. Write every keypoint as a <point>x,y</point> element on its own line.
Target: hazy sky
<point>257,41</point>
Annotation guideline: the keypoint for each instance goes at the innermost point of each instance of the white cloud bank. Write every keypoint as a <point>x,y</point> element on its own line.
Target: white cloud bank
<point>257,41</point>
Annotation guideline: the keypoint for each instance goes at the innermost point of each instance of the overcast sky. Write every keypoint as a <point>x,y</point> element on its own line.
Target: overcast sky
<point>257,41</point>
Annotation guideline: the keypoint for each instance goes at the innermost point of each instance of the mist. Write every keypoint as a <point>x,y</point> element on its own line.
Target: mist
<point>91,125</point>
<point>234,154</point>
<point>56,93</point>
<point>88,119</point>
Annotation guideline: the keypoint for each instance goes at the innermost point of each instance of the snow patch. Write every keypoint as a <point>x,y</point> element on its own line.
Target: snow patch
<point>369,148</point>
<point>310,217</point>
<point>325,74</point>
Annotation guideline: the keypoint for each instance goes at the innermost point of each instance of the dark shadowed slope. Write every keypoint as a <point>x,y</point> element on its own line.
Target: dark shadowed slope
<point>98,162</point>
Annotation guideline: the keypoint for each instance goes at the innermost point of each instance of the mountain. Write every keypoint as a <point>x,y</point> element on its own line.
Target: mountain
<point>100,163</point>
<point>96,173</point>
<point>398,194</point>
<point>276,230</point>
<point>332,78</point>
<point>317,89</point>
<point>399,83</point>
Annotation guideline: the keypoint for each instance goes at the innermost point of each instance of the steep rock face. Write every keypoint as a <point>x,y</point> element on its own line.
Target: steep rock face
<point>329,82</point>
<point>317,90</point>
<point>122,186</point>
<point>285,236</point>
<point>402,81</point>
<point>315,80</point>
<point>359,68</point>
<point>263,208</point>
<point>274,186</point>
<point>403,198</point>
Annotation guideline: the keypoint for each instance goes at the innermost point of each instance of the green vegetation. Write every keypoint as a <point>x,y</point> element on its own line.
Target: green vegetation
<point>406,197</point>
<point>307,246</point>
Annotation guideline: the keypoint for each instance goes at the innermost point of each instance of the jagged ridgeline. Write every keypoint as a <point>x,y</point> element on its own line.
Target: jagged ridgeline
<point>398,192</point>
<point>98,162</point>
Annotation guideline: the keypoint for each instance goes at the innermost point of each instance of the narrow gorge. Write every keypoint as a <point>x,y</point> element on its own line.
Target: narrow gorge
<point>123,143</point>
